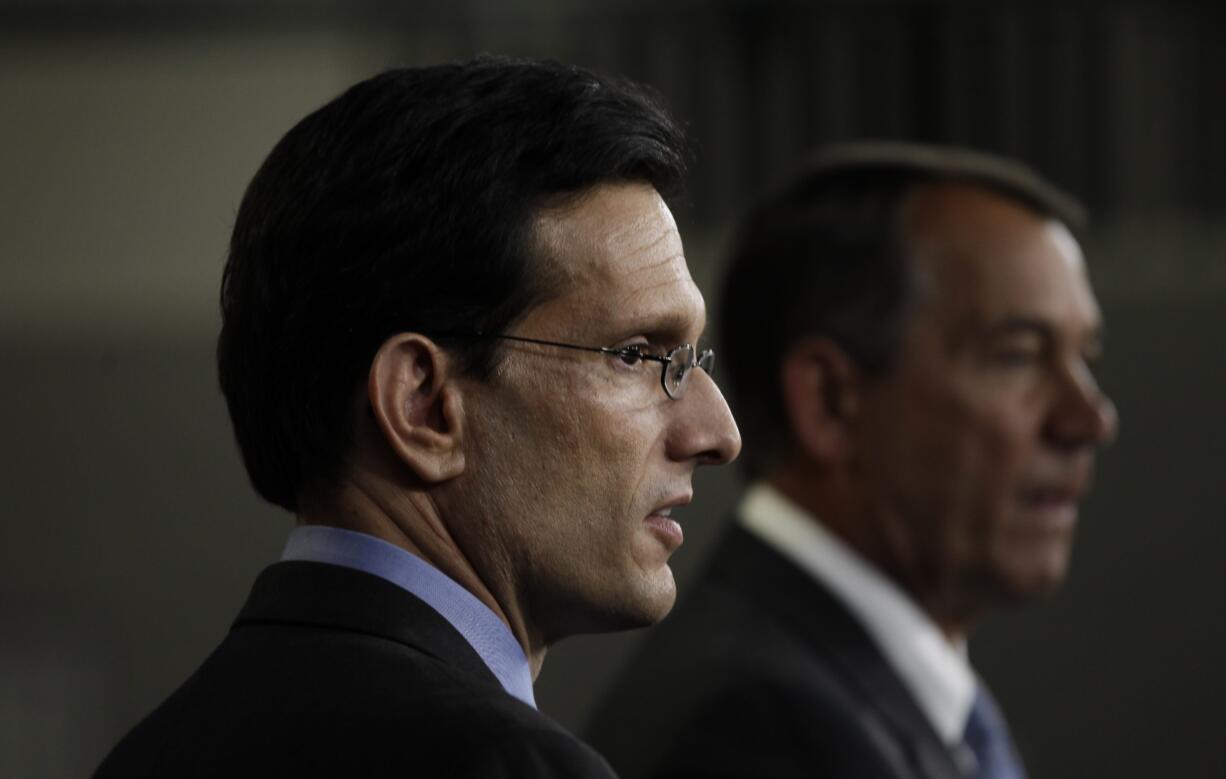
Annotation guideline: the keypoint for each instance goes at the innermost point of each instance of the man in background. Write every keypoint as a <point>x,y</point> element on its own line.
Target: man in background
<point>912,339</point>
<point>459,344</point>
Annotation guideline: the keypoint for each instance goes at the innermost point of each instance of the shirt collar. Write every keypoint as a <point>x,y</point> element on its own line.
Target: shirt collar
<point>488,635</point>
<point>936,672</point>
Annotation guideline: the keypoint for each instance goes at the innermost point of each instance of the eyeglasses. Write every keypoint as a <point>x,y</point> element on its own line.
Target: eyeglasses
<point>676,365</point>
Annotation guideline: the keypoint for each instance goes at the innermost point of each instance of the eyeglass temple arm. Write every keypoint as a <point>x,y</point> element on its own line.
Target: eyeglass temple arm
<point>601,349</point>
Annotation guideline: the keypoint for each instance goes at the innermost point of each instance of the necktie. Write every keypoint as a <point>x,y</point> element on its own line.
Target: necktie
<point>987,737</point>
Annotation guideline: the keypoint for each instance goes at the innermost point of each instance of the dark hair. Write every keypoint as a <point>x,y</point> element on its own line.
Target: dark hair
<point>825,254</point>
<point>405,204</point>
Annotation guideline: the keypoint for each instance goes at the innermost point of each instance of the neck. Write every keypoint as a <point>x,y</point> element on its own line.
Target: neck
<point>411,519</point>
<point>888,546</point>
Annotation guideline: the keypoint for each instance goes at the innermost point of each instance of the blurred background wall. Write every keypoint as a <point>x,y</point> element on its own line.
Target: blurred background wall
<point>129,129</point>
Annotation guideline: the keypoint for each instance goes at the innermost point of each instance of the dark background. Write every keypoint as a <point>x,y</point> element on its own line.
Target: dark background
<point>129,536</point>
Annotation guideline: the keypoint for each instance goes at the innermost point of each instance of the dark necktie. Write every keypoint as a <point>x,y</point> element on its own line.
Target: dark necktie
<point>987,737</point>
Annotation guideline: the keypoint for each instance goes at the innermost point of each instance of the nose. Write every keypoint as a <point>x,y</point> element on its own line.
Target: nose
<point>704,430</point>
<point>1085,416</point>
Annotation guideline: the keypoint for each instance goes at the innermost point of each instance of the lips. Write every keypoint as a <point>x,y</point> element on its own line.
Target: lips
<point>1052,495</point>
<point>1054,505</point>
<point>660,521</point>
<point>665,507</point>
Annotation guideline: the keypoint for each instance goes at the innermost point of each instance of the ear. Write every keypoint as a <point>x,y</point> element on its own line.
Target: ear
<point>821,395</point>
<point>417,406</point>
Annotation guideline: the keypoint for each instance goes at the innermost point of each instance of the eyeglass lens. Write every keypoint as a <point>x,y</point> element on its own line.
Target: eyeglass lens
<point>680,362</point>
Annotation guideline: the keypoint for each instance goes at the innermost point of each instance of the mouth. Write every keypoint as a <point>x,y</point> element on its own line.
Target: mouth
<point>666,529</point>
<point>1054,507</point>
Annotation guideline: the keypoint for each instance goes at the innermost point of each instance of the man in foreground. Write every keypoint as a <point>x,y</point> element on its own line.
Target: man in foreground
<point>912,337</point>
<point>456,343</point>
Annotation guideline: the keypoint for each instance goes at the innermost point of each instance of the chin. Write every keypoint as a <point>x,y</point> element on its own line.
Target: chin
<point>646,603</point>
<point>1036,579</point>
<point>659,607</point>
<point>639,604</point>
<point>1032,562</point>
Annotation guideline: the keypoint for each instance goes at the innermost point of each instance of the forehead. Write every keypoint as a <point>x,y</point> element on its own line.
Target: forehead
<point>981,257</point>
<point>615,259</point>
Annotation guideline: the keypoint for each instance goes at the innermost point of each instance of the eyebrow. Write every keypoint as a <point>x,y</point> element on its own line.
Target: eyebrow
<point>1021,325</point>
<point>1018,326</point>
<point>672,323</point>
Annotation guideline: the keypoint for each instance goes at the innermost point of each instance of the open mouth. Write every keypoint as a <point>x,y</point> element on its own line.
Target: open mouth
<point>1056,507</point>
<point>667,529</point>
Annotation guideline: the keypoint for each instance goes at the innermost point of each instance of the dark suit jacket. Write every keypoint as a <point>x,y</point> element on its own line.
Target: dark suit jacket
<point>333,672</point>
<point>762,673</point>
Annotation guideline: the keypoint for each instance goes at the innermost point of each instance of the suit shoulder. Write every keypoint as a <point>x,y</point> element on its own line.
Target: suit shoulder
<point>325,703</point>
<point>528,748</point>
<point>734,691</point>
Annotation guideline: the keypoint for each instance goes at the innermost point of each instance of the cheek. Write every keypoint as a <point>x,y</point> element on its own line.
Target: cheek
<point>575,451</point>
<point>592,467</point>
<point>986,471</point>
<point>956,460</point>
<point>1004,435</point>
<point>995,441</point>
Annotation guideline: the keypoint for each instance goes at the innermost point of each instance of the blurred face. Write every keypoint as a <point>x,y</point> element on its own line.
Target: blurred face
<point>581,463</point>
<point>981,444</point>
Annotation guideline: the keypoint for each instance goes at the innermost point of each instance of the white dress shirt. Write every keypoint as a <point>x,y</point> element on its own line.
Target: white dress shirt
<point>935,670</point>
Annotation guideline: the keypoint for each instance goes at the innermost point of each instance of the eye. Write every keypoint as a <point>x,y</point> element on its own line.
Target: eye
<point>1018,351</point>
<point>632,354</point>
<point>1014,357</point>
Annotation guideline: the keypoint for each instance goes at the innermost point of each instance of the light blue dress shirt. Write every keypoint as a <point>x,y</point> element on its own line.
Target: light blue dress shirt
<point>481,628</point>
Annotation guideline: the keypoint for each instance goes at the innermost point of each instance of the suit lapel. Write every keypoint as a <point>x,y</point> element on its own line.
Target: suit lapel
<point>338,598</point>
<point>814,615</point>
